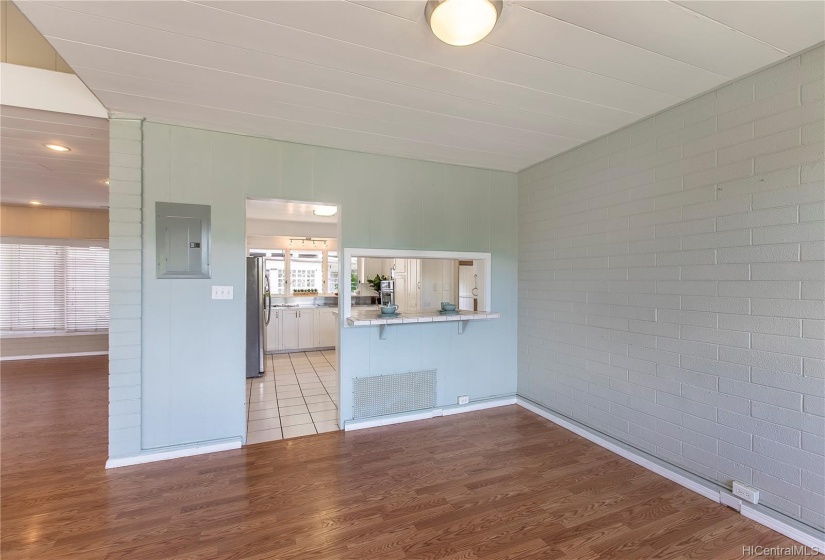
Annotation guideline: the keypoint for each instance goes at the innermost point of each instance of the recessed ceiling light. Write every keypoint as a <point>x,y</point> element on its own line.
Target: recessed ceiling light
<point>325,210</point>
<point>35,203</point>
<point>462,22</point>
<point>57,147</point>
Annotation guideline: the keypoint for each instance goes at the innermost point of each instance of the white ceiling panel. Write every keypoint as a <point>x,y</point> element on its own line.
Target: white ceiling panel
<point>666,28</point>
<point>370,76</point>
<point>33,172</point>
<point>785,24</point>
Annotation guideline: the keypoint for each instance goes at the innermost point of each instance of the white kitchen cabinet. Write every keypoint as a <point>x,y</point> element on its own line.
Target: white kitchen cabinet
<point>413,268</point>
<point>289,329</point>
<point>272,340</point>
<point>325,325</point>
<point>306,323</point>
<point>297,329</point>
<point>301,329</point>
<point>376,267</point>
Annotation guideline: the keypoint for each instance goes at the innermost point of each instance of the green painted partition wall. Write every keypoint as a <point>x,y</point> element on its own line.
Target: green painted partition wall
<point>192,383</point>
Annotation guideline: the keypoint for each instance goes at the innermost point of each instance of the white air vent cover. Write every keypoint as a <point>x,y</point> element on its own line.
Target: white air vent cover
<point>391,394</point>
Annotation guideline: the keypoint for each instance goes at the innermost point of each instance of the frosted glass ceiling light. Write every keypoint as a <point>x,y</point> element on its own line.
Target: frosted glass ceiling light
<point>462,22</point>
<point>57,147</point>
<point>325,210</point>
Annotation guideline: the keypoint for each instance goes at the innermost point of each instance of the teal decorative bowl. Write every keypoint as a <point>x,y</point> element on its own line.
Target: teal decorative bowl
<point>447,306</point>
<point>388,309</point>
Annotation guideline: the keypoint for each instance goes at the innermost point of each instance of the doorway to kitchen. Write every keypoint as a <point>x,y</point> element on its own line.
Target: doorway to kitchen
<point>293,322</point>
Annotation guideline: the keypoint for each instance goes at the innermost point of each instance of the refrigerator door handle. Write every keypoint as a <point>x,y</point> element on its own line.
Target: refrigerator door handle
<point>267,301</point>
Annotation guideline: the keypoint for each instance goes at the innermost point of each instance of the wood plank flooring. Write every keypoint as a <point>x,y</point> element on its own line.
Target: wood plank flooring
<point>494,484</point>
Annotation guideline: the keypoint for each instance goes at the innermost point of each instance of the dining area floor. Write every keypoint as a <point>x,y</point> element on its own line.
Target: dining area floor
<point>296,396</point>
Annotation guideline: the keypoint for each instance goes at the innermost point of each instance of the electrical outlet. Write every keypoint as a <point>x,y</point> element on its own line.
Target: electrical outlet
<point>222,292</point>
<point>463,399</point>
<point>746,492</point>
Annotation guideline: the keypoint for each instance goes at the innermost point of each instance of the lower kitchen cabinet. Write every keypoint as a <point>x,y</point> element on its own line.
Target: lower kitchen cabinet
<point>297,329</point>
<point>272,331</point>
<point>325,324</point>
<point>300,329</point>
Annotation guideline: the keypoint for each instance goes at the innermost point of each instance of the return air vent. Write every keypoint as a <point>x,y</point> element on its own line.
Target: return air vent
<point>391,394</point>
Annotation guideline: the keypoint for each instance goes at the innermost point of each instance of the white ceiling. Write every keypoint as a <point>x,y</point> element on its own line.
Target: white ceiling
<point>370,76</point>
<point>285,212</point>
<point>32,172</point>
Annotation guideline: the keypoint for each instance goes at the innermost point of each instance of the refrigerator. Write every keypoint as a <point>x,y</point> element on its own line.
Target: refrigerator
<point>470,284</point>
<point>257,315</point>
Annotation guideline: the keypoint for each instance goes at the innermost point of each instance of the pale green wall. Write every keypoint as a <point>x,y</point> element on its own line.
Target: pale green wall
<point>193,347</point>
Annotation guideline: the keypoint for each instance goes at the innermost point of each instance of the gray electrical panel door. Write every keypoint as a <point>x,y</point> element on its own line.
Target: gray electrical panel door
<point>182,237</point>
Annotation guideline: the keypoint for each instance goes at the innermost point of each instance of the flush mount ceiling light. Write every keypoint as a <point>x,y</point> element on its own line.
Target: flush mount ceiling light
<point>106,182</point>
<point>325,211</point>
<point>57,147</point>
<point>462,22</point>
<point>35,203</point>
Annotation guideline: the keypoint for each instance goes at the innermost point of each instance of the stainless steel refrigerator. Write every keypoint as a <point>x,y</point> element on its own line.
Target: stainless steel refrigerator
<point>257,315</point>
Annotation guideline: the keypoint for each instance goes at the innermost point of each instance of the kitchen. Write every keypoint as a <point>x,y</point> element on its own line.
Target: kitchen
<point>292,301</point>
<point>293,281</point>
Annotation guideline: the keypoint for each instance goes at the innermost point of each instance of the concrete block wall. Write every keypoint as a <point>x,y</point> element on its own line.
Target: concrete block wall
<point>125,227</point>
<point>671,285</point>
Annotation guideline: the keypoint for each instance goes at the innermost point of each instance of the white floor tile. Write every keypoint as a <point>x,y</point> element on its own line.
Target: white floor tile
<point>290,402</point>
<point>325,415</point>
<point>266,435</point>
<point>263,424</point>
<point>293,410</point>
<point>293,394</point>
<point>316,398</point>
<point>261,405</point>
<point>319,406</point>
<point>261,414</point>
<point>322,427</point>
<point>298,431</point>
<point>296,420</point>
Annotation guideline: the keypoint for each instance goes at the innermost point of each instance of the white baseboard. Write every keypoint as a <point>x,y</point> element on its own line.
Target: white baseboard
<point>427,414</point>
<point>151,457</point>
<point>785,528</point>
<point>706,489</point>
<point>44,356</point>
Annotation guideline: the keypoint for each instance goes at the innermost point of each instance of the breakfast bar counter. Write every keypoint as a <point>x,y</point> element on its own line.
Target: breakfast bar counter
<point>368,318</point>
<point>373,318</point>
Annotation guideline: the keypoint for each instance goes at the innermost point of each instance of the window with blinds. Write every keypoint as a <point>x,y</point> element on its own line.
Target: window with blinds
<point>53,288</point>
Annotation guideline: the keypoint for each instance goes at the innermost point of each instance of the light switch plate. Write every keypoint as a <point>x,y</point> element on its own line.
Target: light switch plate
<point>222,292</point>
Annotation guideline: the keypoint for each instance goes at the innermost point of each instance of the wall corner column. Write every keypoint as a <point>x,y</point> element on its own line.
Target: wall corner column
<point>125,285</point>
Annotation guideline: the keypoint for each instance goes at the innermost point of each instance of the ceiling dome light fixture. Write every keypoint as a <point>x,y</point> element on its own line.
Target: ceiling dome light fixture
<point>35,203</point>
<point>462,22</point>
<point>325,211</point>
<point>57,147</point>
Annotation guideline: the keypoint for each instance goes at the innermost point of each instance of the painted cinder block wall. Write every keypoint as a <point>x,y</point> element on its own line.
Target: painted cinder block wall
<point>191,385</point>
<point>671,285</point>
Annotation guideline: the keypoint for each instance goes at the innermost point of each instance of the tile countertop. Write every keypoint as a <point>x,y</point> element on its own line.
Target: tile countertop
<point>370,318</point>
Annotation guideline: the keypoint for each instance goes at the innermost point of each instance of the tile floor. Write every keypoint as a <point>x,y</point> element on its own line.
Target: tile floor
<point>296,396</point>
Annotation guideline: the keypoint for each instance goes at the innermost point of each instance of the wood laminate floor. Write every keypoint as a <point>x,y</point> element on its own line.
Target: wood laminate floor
<point>495,484</point>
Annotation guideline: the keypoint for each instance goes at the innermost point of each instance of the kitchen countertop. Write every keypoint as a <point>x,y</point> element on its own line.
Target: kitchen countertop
<point>364,318</point>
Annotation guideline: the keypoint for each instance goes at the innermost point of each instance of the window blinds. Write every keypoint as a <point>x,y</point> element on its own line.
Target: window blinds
<point>53,288</point>
<point>87,289</point>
